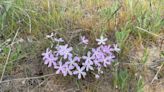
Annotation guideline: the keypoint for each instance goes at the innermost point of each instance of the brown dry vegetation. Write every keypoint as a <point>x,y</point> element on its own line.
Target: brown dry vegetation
<point>136,25</point>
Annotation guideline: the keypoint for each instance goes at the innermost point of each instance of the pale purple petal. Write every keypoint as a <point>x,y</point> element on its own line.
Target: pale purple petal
<point>79,76</point>
<point>58,39</point>
<point>84,40</point>
<point>97,76</point>
<point>75,72</point>
<point>64,51</point>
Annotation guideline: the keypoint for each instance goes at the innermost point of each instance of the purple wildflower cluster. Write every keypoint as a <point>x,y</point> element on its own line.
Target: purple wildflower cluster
<point>66,63</point>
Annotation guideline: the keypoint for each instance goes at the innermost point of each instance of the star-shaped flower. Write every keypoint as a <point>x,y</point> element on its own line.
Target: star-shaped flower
<point>88,58</point>
<point>88,66</point>
<point>102,40</point>
<point>98,54</point>
<point>108,60</point>
<point>67,70</point>
<point>115,48</point>
<point>46,54</point>
<point>60,68</point>
<point>80,72</point>
<point>106,49</point>
<point>83,40</point>
<point>72,63</point>
<point>49,58</point>
<point>64,51</point>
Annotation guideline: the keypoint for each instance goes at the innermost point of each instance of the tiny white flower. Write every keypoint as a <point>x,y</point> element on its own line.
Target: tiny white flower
<point>102,40</point>
<point>115,48</point>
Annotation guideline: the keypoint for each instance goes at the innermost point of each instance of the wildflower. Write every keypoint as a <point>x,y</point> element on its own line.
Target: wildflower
<point>95,59</point>
<point>58,39</point>
<point>98,54</point>
<point>46,54</point>
<point>60,68</point>
<point>106,49</point>
<point>88,66</point>
<point>108,60</point>
<point>80,72</point>
<point>102,40</point>
<point>72,62</point>
<point>63,50</point>
<point>67,70</point>
<point>84,40</point>
<point>116,48</point>
<point>51,60</point>
<point>88,58</point>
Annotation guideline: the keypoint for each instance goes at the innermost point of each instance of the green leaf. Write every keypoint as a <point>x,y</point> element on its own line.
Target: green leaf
<point>122,36</point>
<point>145,56</point>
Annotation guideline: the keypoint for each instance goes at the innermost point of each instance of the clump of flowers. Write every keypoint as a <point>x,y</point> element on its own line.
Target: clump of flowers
<point>63,59</point>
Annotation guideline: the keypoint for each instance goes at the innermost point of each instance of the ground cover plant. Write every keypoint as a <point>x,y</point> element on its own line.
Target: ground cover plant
<point>66,63</point>
<point>36,35</point>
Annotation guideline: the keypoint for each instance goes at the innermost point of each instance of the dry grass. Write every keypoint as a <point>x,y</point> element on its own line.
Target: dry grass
<point>136,25</point>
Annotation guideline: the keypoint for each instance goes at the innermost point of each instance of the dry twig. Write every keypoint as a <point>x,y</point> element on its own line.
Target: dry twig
<point>8,56</point>
<point>19,79</point>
